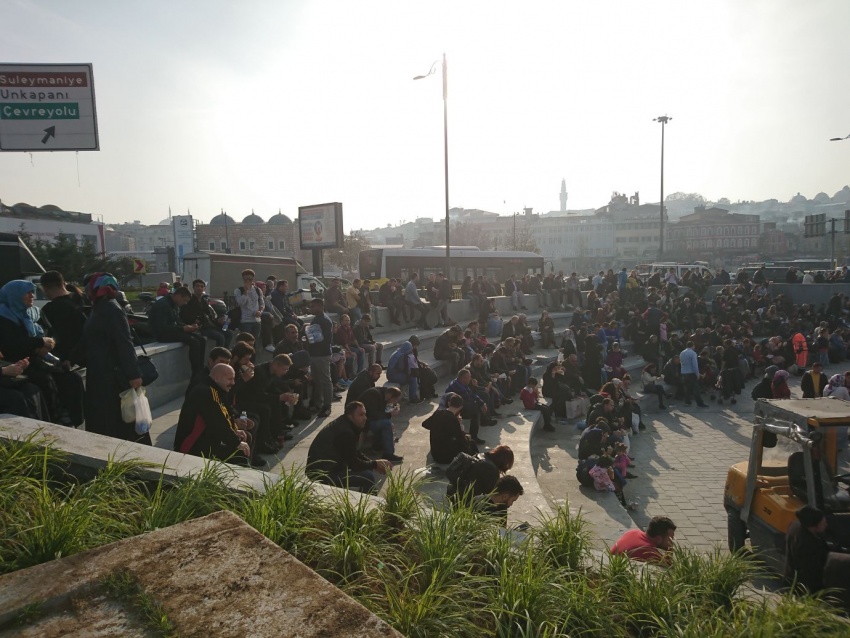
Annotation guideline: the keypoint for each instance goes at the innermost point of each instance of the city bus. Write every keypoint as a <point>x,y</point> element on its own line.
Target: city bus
<point>379,264</point>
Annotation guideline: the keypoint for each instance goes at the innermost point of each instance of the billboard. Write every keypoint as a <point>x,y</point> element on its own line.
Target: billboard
<point>47,107</point>
<point>320,226</point>
<point>184,238</point>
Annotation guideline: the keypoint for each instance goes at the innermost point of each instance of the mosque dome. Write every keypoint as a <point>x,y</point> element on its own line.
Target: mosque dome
<point>280,218</point>
<point>253,219</point>
<point>221,220</point>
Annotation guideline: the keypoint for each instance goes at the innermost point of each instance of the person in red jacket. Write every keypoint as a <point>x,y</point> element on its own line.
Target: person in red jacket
<point>649,546</point>
<point>801,350</point>
<point>531,401</point>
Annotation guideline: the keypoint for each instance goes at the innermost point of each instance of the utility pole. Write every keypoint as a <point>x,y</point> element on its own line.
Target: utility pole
<point>514,244</point>
<point>663,119</point>
<point>832,240</point>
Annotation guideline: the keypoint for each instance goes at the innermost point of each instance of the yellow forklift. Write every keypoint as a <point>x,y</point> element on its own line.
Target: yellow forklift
<point>794,461</point>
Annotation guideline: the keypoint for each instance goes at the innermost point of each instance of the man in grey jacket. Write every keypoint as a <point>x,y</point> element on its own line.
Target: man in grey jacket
<point>411,297</point>
<point>251,302</point>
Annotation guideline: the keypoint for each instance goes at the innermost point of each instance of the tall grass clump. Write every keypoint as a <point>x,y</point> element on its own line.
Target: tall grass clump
<point>352,538</point>
<point>713,579</point>
<point>422,608</point>
<point>563,539</point>
<point>403,499</point>
<point>285,511</point>
<point>206,492</point>
<point>526,594</point>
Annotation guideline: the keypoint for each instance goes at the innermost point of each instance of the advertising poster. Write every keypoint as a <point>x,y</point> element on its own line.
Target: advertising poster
<point>321,226</point>
<point>184,238</point>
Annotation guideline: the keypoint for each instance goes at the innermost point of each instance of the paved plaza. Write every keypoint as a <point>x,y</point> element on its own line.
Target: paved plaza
<point>681,461</point>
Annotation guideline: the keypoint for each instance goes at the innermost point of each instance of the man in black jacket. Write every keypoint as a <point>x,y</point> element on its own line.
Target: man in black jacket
<point>445,293</point>
<point>365,380</point>
<point>446,348</point>
<point>447,436</point>
<point>813,381</point>
<point>333,458</point>
<point>481,477</point>
<point>198,311</point>
<point>66,313</point>
<point>381,406</point>
<point>363,335</point>
<point>205,427</point>
<point>166,326</point>
<point>320,337</point>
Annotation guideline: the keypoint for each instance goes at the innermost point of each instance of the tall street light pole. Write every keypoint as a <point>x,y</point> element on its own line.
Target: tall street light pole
<point>445,156</point>
<point>663,119</point>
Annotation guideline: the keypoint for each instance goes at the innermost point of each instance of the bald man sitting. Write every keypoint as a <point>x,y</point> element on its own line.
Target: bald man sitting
<point>205,427</point>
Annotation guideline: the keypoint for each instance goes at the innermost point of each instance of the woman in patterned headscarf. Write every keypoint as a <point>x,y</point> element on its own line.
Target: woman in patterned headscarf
<point>836,388</point>
<point>780,385</point>
<point>111,361</point>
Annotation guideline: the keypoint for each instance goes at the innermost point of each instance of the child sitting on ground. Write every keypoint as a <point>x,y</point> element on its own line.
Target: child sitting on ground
<point>602,480</point>
<point>531,401</point>
<point>622,461</point>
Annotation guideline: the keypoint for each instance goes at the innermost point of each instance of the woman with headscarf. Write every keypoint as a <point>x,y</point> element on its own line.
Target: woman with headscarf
<point>111,364</point>
<point>22,339</point>
<point>779,387</point>
<point>836,389</point>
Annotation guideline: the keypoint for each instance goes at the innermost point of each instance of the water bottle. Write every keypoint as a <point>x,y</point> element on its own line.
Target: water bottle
<point>244,417</point>
<point>560,357</point>
<point>226,323</point>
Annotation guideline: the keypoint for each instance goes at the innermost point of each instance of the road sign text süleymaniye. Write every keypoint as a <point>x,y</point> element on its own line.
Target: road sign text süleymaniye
<point>47,107</point>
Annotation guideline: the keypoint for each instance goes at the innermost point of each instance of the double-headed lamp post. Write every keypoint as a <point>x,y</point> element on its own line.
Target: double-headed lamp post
<point>663,119</point>
<point>445,156</point>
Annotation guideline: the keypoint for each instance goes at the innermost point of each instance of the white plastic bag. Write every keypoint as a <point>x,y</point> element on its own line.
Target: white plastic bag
<point>143,412</point>
<point>128,407</point>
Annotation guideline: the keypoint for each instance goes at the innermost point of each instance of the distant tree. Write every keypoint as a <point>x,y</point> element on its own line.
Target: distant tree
<point>348,259</point>
<point>724,201</point>
<point>75,261</point>
<point>692,198</point>
<point>524,239</point>
<point>469,234</point>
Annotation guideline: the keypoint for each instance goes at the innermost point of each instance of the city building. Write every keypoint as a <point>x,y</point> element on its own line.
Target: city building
<point>141,237</point>
<point>775,243</point>
<point>46,223</point>
<point>637,228</point>
<point>277,237</point>
<point>713,234</point>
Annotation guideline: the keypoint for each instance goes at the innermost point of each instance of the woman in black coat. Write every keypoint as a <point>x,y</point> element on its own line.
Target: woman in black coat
<point>591,370</point>
<point>111,362</point>
<point>556,388</point>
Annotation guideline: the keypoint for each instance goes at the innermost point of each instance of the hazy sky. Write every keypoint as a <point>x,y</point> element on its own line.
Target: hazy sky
<point>264,105</point>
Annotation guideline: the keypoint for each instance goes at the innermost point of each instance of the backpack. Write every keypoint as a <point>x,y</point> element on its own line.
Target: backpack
<point>583,471</point>
<point>459,466</point>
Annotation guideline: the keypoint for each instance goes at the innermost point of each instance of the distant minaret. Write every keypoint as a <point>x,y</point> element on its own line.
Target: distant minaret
<point>563,196</point>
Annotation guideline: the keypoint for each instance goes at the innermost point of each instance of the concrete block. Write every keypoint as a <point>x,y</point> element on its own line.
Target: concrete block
<point>213,576</point>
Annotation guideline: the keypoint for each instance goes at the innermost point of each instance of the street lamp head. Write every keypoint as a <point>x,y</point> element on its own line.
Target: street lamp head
<point>838,139</point>
<point>662,118</point>
<point>430,71</point>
